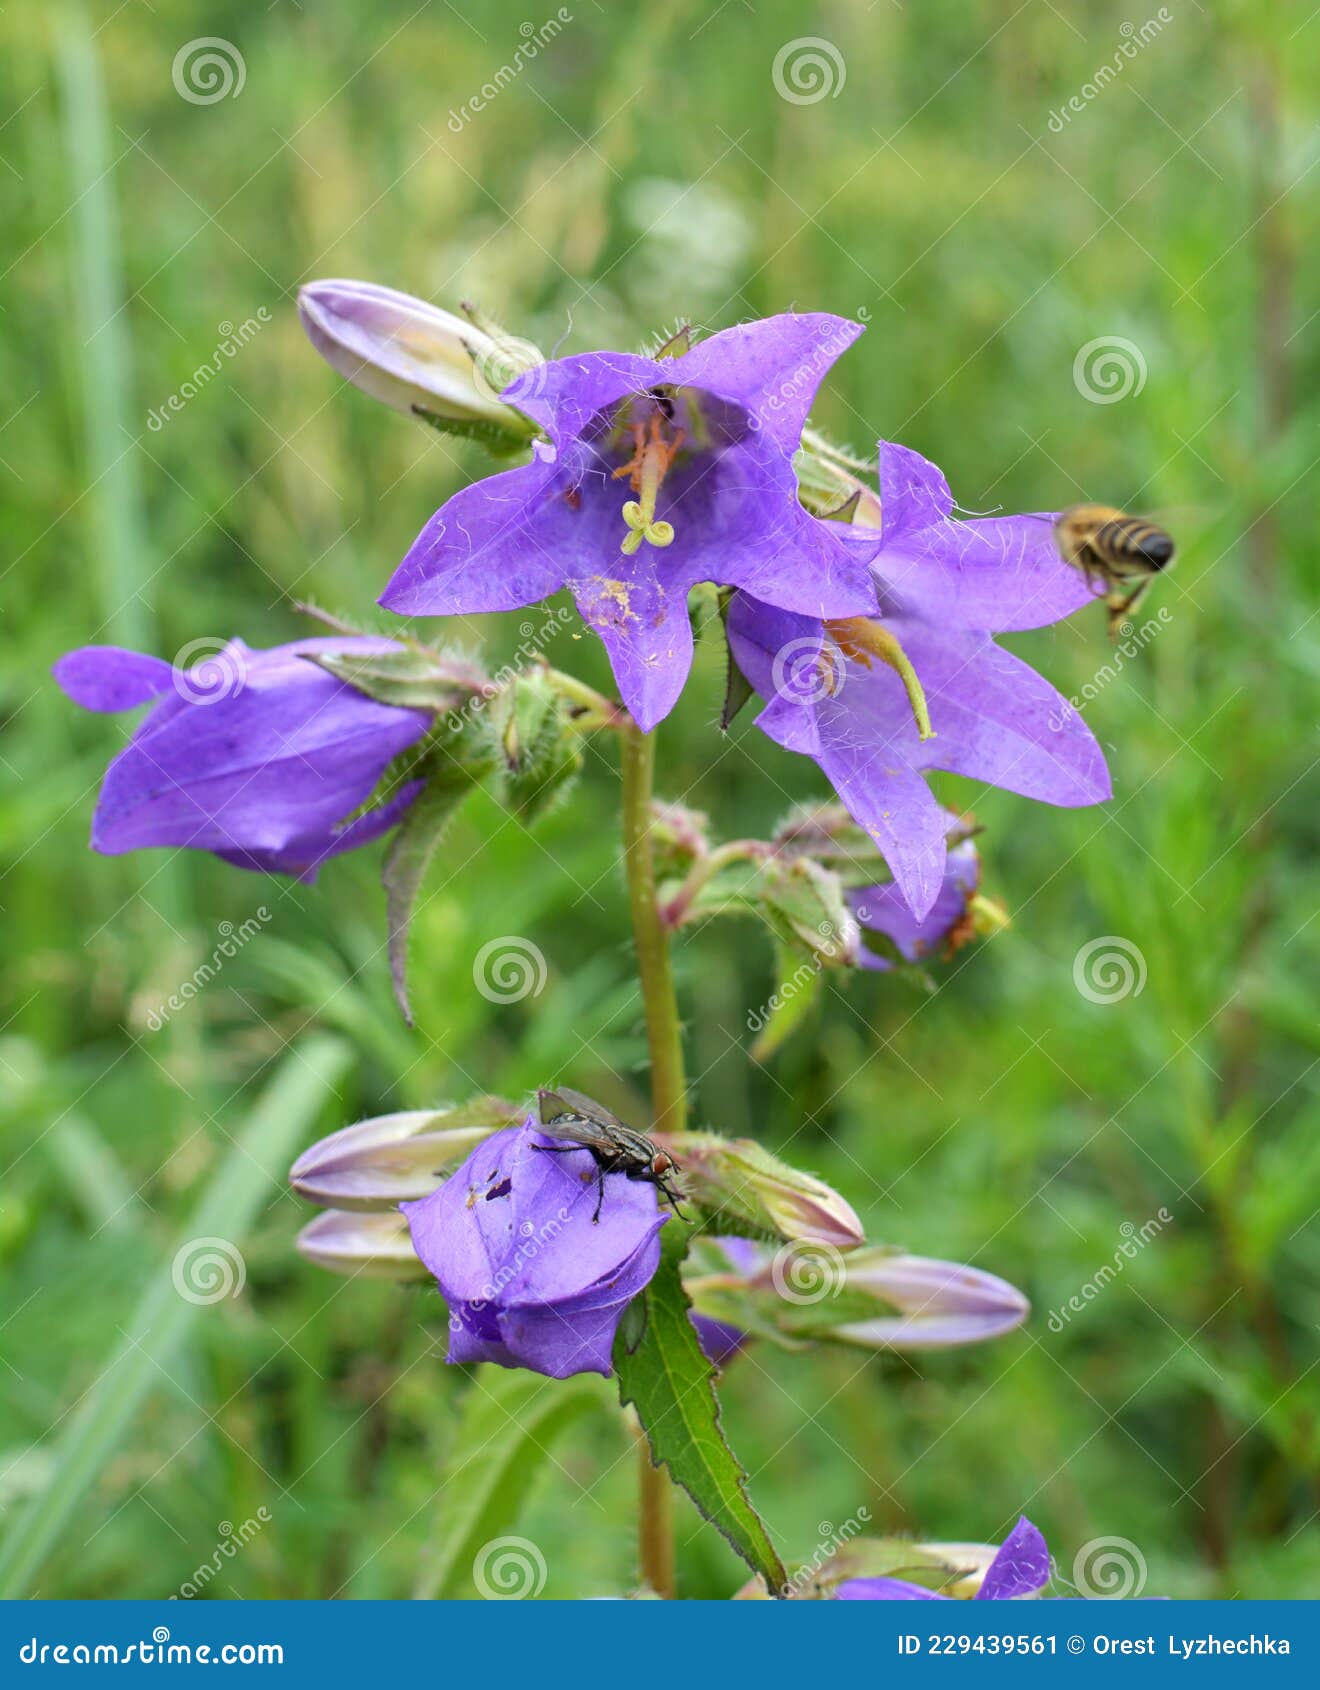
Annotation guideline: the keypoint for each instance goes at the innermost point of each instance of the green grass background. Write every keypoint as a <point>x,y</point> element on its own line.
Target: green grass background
<point>641,171</point>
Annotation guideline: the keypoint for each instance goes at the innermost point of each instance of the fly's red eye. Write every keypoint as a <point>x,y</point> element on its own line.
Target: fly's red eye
<point>660,1163</point>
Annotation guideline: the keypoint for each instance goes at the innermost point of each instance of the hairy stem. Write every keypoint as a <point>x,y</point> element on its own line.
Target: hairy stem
<point>655,1528</point>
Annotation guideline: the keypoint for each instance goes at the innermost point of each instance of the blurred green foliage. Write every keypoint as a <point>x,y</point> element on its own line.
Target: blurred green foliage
<point>643,170</point>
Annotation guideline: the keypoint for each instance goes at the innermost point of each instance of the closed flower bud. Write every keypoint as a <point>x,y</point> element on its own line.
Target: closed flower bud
<point>745,1189</point>
<point>392,1159</point>
<point>376,1245</point>
<point>413,356</point>
<point>939,1304</point>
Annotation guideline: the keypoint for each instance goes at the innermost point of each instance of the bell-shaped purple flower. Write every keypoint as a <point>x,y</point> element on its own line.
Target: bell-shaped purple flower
<point>258,756</point>
<point>658,474</point>
<point>946,925</point>
<point>1021,1567</point>
<point>531,1280</point>
<point>991,718</point>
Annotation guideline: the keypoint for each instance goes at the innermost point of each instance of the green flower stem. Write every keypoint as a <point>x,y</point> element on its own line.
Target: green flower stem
<point>655,1501</point>
<point>655,973</point>
<point>675,911</point>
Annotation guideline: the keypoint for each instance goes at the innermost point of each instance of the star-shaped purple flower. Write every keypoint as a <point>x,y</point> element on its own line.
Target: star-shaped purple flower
<point>257,756</point>
<point>531,1280</point>
<point>994,720</point>
<point>657,475</point>
<point>1021,1567</point>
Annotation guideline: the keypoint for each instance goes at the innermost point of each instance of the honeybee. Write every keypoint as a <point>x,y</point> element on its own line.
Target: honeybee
<point>1115,549</point>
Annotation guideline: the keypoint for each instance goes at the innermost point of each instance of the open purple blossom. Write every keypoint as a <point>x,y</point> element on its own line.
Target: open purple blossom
<point>658,474</point>
<point>1021,1567</point>
<point>844,695</point>
<point>530,1279</point>
<point>258,756</point>
<point>946,925</point>
<point>992,573</point>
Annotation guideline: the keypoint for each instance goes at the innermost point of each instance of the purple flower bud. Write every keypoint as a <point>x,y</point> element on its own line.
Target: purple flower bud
<point>376,1245</point>
<point>748,1188</point>
<point>939,1303</point>
<point>531,1280</point>
<point>410,355</point>
<point>380,1163</point>
<point>258,756</point>
<point>1020,1567</point>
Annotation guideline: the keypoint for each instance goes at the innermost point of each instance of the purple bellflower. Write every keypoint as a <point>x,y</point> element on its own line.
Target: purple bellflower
<point>658,474</point>
<point>943,929</point>
<point>530,1279</point>
<point>879,700</point>
<point>258,756</point>
<point>1021,1567</point>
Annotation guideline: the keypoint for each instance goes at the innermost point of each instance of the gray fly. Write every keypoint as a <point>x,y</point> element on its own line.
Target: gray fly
<point>616,1148</point>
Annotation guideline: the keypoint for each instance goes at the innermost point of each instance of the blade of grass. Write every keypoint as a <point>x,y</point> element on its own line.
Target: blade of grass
<point>257,1161</point>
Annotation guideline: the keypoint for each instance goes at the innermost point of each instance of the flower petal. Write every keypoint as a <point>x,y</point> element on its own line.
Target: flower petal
<point>107,678</point>
<point>772,368</point>
<point>1020,1568</point>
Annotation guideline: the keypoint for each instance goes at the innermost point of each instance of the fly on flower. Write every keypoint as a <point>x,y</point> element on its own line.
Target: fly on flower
<point>616,1148</point>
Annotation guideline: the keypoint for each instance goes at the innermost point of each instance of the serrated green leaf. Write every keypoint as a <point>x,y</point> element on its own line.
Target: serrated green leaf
<point>499,442</point>
<point>668,1380</point>
<point>509,1422</point>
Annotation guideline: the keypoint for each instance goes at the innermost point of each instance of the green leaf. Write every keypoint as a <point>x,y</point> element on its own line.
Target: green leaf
<point>509,1422</point>
<point>795,994</point>
<point>244,1182</point>
<point>416,680</point>
<point>499,442</point>
<point>421,830</point>
<point>667,1379</point>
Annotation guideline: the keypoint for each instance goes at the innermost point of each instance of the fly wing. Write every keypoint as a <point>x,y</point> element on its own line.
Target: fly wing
<point>565,1102</point>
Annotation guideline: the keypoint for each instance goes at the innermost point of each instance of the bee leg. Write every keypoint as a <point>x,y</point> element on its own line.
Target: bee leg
<point>1120,606</point>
